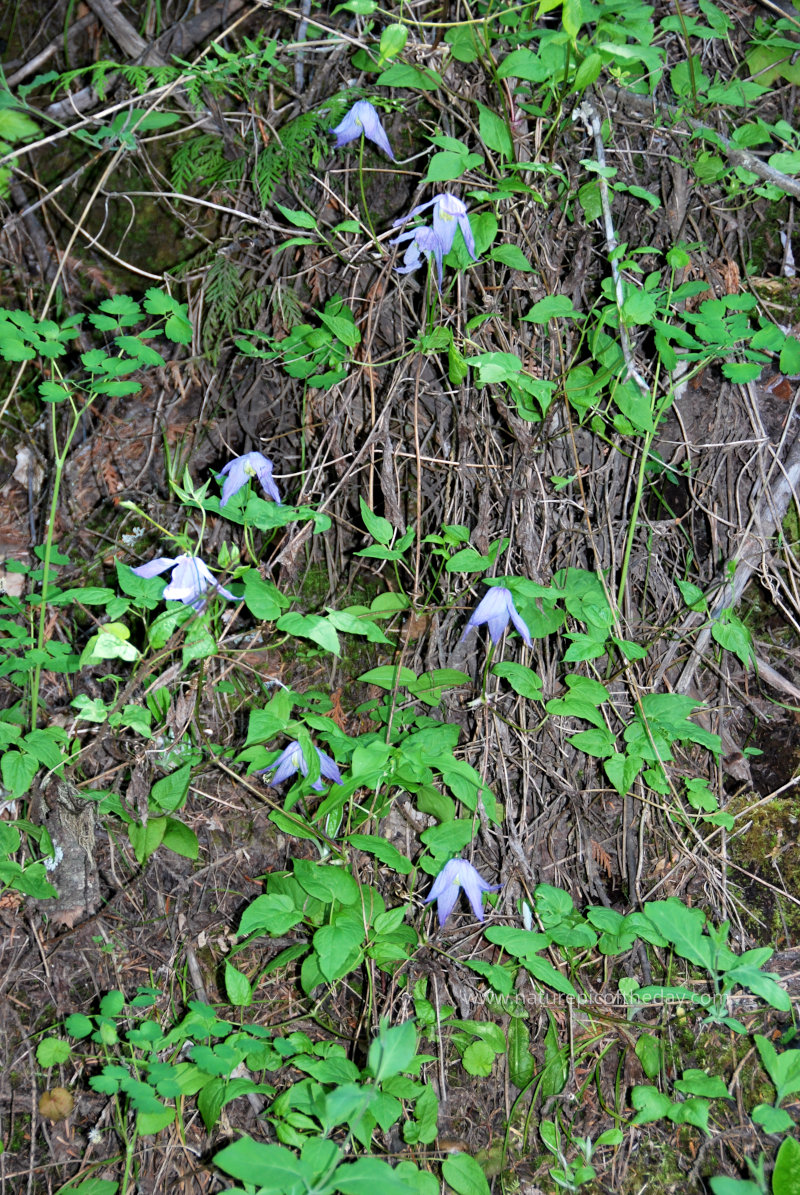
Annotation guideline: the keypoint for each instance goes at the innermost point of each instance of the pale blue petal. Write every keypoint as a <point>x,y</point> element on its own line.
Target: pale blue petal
<point>286,765</point>
<point>519,622</point>
<point>238,472</point>
<point>154,567</point>
<point>415,211</point>
<point>362,120</point>
<point>328,767</point>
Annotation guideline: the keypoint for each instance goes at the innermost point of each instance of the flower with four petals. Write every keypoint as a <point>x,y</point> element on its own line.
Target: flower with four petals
<point>190,581</point>
<point>495,609</point>
<point>424,244</point>
<point>449,213</point>
<point>238,472</point>
<point>456,874</point>
<point>362,121</point>
<point>291,761</point>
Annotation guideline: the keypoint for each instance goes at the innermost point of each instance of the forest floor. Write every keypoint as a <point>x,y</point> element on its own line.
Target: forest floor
<point>625,456</point>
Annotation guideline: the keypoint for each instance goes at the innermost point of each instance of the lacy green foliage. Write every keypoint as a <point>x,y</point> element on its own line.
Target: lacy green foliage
<point>201,159</point>
<point>296,149</point>
<point>230,298</point>
<point>220,72</point>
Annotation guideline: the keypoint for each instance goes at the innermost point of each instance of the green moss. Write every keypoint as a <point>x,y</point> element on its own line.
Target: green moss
<point>769,849</point>
<point>658,1165</point>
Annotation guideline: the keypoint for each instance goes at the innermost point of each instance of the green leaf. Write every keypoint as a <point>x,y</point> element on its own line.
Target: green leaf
<point>393,40</point>
<point>650,1104</point>
<point>52,1051</point>
<point>379,528</point>
<point>494,132</point>
<point>384,851</point>
<point>342,327</point>
<point>430,685</point>
<point>522,680</point>
<point>400,74</point>
<point>146,839</point>
<point>16,126</point>
<point>790,356</point>
<point>180,839</point>
<point>622,770</point>
<point>178,327</point>
<point>692,595</point>
<point>275,913</point>
<point>388,676</point>
<point>553,307</point>
<point>478,1059</point>
<point>697,1082</point>
<point>150,1123</point>
<point>445,167</point>
<point>786,1175</point>
<point>262,598</point>
<point>237,986</point>
<point>523,64</point>
<point>587,72</point>
<point>18,771</point>
<point>300,219</point>
<point>783,1069</point>
<point>772,1120</point>
<point>326,883</point>
<point>311,626</point>
<point>52,391</point>
<point>520,1059</point>
<point>338,945</point>
<point>169,793</point>
<point>464,1175</point>
<point>511,256</point>
<point>732,634</point>
<point>648,1051</point>
<point>79,1026</point>
<point>598,742</point>
<point>269,1167</point>
<point>391,1052</point>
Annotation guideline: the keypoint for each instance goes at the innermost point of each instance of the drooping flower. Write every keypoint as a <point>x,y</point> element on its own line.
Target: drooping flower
<point>291,761</point>
<point>449,213</point>
<point>190,581</point>
<point>424,244</point>
<point>241,468</point>
<point>362,121</point>
<point>495,609</point>
<point>458,873</point>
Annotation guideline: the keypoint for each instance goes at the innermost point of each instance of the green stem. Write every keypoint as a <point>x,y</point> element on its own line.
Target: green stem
<point>60,460</point>
<point>364,208</point>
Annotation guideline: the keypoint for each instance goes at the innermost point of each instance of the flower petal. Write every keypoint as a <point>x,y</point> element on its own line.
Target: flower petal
<point>520,623</point>
<point>328,767</point>
<point>362,120</point>
<point>154,567</point>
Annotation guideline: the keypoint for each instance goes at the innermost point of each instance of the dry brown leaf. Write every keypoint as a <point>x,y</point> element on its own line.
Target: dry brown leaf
<point>56,1104</point>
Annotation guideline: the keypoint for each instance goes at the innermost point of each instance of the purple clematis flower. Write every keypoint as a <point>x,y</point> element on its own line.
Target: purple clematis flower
<point>495,609</point>
<point>291,760</point>
<point>362,121</point>
<point>449,213</point>
<point>238,471</point>
<point>191,579</point>
<point>424,244</point>
<point>454,875</point>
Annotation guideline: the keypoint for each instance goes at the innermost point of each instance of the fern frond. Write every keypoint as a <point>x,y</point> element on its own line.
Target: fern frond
<point>202,159</point>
